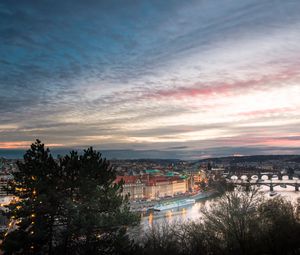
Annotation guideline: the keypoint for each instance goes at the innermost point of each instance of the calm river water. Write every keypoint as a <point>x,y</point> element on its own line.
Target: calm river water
<point>193,212</point>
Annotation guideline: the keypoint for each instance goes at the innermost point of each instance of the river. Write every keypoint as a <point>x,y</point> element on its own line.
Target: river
<point>193,212</point>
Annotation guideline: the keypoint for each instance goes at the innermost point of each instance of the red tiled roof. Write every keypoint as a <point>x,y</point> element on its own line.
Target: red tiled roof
<point>127,179</point>
<point>149,180</point>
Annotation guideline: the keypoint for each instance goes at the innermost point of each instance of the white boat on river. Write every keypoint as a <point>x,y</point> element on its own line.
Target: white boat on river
<point>174,204</point>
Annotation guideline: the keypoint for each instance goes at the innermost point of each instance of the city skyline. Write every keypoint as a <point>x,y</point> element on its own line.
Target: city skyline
<point>188,79</point>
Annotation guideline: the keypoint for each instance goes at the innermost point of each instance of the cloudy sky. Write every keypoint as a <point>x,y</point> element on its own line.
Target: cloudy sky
<point>191,78</point>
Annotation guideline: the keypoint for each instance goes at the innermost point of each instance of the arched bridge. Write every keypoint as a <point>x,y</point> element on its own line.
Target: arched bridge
<point>269,183</point>
<point>260,175</point>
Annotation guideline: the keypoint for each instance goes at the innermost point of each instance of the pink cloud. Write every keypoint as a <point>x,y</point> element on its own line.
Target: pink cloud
<point>272,111</point>
<point>293,140</point>
<point>211,89</point>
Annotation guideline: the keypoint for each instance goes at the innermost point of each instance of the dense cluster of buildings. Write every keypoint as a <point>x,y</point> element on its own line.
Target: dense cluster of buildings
<point>156,184</point>
<point>124,167</point>
<point>156,178</point>
<point>6,169</point>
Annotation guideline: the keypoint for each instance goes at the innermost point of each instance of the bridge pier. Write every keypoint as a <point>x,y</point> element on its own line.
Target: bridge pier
<point>271,187</point>
<point>269,177</point>
<point>247,188</point>
<point>296,187</point>
<point>259,177</point>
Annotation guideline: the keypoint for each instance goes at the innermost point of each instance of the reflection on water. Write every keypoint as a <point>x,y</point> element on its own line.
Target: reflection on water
<point>288,193</point>
<point>150,219</point>
<point>183,212</point>
<point>169,214</point>
<point>193,212</point>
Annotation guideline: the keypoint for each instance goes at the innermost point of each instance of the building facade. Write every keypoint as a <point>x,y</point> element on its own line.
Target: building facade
<point>133,186</point>
<point>162,186</point>
<point>152,187</point>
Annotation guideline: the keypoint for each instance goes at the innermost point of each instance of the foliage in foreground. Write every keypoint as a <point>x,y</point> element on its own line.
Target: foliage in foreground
<point>66,206</point>
<point>239,223</point>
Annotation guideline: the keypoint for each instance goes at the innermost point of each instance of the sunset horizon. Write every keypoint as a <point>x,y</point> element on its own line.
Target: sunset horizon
<point>151,76</point>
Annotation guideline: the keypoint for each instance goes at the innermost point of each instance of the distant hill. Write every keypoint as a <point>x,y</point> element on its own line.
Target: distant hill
<point>254,158</point>
<point>155,160</point>
<point>158,156</point>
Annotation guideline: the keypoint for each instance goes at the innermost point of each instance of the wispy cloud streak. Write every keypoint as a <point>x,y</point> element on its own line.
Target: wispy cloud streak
<point>151,74</point>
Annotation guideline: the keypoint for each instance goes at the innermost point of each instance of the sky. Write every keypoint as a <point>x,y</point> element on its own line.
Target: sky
<point>189,79</point>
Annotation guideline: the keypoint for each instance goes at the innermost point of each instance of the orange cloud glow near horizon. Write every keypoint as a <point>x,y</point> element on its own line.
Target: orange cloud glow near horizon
<point>217,79</point>
<point>23,145</point>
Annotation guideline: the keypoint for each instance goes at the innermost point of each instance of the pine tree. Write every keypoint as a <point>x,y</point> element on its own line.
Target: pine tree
<point>32,215</point>
<point>96,215</point>
<point>70,206</point>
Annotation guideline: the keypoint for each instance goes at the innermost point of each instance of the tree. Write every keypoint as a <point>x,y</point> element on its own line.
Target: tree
<point>94,212</point>
<point>231,222</point>
<point>177,238</point>
<point>279,227</point>
<point>32,216</point>
<point>70,206</point>
<point>202,185</point>
<point>209,166</point>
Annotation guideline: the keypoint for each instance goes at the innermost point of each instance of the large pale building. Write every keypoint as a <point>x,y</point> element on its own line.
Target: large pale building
<point>133,186</point>
<point>179,186</point>
<point>152,187</point>
<point>162,186</point>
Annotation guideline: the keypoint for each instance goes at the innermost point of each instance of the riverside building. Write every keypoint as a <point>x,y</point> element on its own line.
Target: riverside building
<point>153,186</point>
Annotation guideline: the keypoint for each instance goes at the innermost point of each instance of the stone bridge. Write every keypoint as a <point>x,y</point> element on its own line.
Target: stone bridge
<point>269,183</point>
<point>259,176</point>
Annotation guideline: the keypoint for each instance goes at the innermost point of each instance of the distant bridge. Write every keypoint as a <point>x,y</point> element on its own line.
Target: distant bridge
<point>259,176</point>
<point>269,183</point>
